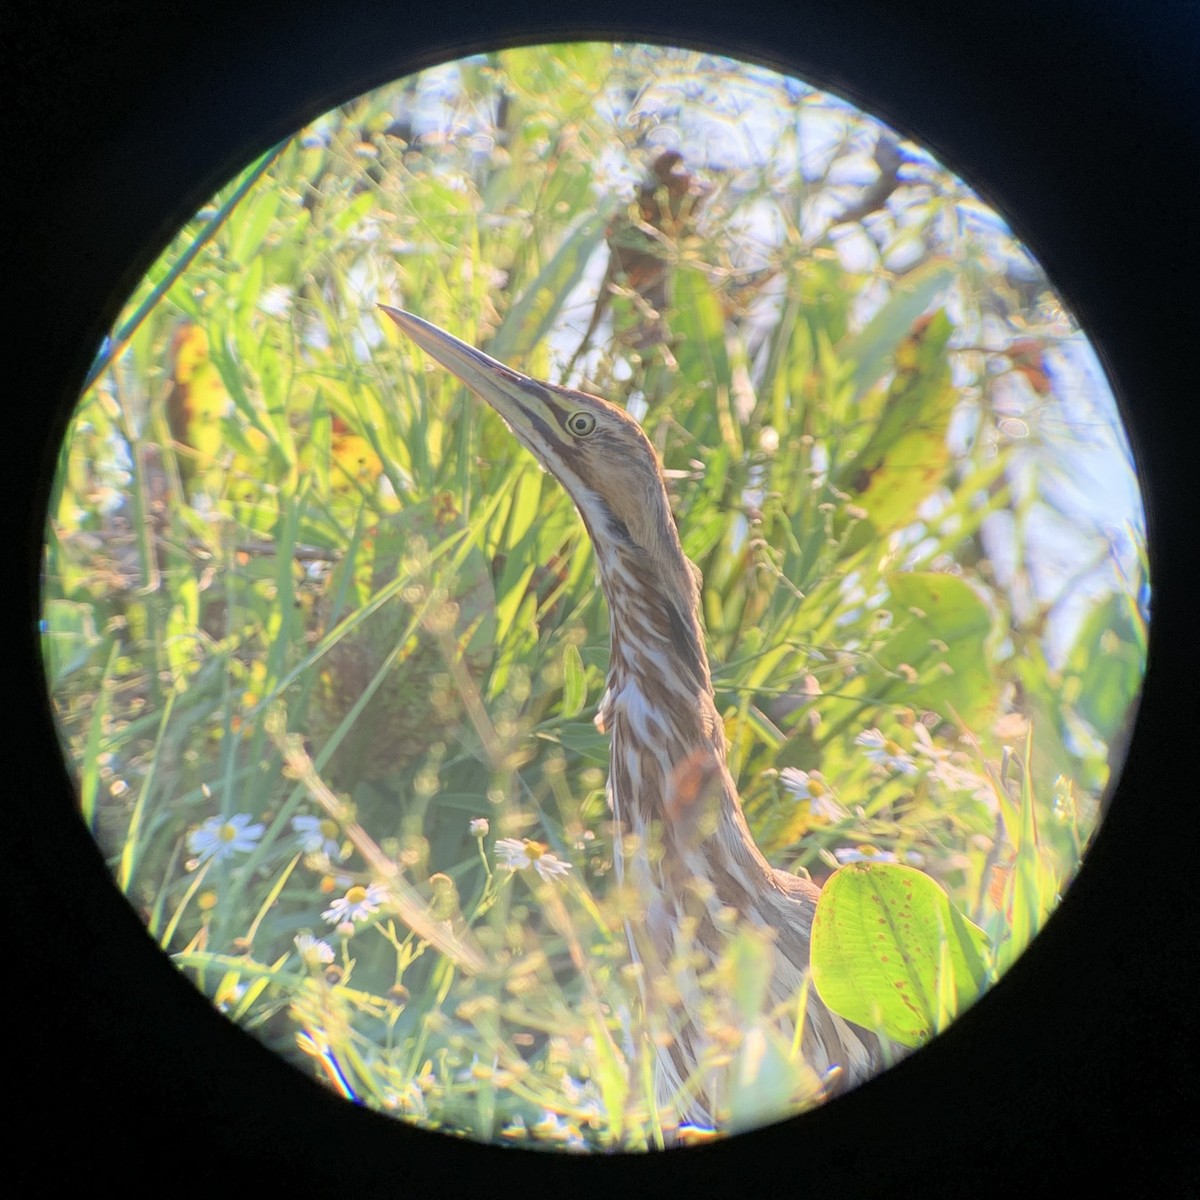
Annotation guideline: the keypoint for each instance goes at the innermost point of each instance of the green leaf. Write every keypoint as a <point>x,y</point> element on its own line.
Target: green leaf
<point>766,1080</point>
<point>884,937</point>
<point>1108,659</point>
<point>68,637</point>
<point>526,500</point>
<point>251,280</point>
<point>574,682</point>
<point>699,327</point>
<point>905,456</point>
<point>530,318</point>
<point>610,1072</point>
<point>89,768</point>
<point>181,642</point>
<point>873,349</point>
<point>582,738</point>
<point>748,962</point>
<point>1033,887</point>
<point>520,536</point>
<point>248,229</point>
<point>942,629</point>
<point>320,443</point>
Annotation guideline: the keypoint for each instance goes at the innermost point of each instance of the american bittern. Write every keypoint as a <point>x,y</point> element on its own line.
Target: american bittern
<point>692,858</point>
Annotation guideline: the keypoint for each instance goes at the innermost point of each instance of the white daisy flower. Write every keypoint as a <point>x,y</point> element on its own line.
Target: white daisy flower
<point>315,952</point>
<point>317,835</point>
<point>947,771</point>
<point>515,1129</point>
<point>518,855</point>
<point>811,786</point>
<point>584,1096</point>
<point>885,752</point>
<point>228,995</point>
<point>356,905</point>
<point>219,839</point>
<point>853,854</point>
<point>554,1128</point>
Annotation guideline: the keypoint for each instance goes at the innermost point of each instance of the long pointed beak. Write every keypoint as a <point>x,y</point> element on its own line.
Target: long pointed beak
<point>521,401</point>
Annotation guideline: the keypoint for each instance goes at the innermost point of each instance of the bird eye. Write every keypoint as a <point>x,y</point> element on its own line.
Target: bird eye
<point>581,423</point>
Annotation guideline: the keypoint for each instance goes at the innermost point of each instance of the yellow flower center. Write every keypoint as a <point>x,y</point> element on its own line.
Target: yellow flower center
<point>329,829</point>
<point>534,850</point>
<point>815,787</point>
<point>357,894</point>
<point>227,832</point>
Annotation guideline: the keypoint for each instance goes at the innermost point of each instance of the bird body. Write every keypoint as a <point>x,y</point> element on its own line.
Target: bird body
<point>687,852</point>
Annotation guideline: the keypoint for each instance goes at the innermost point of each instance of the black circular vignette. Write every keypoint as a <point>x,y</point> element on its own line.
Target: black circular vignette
<point>1081,123</point>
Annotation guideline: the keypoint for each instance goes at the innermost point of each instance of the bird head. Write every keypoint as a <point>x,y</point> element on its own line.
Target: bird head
<point>594,449</point>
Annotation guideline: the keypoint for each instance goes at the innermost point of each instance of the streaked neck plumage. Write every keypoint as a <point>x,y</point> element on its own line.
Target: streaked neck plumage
<point>667,772</point>
<point>659,703</point>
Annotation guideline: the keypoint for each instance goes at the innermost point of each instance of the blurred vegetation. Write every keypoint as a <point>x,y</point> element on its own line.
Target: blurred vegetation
<point>292,572</point>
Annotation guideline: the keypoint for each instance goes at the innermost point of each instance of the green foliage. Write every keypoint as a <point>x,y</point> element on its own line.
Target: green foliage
<point>314,535</point>
<point>891,953</point>
<point>941,632</point>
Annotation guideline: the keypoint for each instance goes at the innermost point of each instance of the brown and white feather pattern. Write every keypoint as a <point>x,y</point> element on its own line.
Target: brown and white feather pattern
<point>702,863</point>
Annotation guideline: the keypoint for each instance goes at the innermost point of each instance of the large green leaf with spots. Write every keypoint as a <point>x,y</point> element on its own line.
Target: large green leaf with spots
<point>891,953</point>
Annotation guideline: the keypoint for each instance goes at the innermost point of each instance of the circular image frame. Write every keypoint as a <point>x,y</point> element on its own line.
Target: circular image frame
<point>1153,459</point>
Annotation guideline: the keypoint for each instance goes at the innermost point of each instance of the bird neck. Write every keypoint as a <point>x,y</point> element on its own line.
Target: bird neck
<point>658,671</point>
<point>668,777</point>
